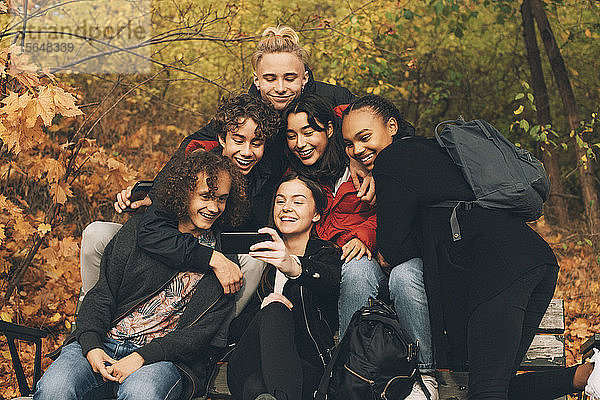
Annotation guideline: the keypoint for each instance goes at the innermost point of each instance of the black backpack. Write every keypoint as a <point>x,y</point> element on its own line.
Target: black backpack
<point>374,360</point>
<point>502,175</point>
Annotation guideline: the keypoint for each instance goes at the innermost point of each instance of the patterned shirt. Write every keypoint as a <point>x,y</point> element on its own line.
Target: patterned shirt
<point>160,314</point>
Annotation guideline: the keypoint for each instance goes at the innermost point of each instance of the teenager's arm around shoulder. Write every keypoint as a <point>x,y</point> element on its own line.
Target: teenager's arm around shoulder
<point>159,235</point>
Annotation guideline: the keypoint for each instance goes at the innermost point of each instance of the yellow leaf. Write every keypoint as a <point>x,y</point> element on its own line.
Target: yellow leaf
<point>4,316</point>
<point>67,324</point>
<point>588,33</point>
<point>65,103</point>
<point>55,318</point>
<point>6,355</point>
<point>45,105</point>
<point>519,110</point>
<point>44,228</point>
<point>61,191</point>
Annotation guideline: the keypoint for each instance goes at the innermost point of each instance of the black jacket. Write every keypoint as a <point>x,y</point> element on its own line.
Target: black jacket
<point>314,295</point>
<point>129,277</point>
<point>496,249</point>
<point>158,233</point>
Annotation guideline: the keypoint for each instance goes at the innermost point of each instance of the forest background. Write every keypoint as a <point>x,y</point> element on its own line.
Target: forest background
<point>78,128</point>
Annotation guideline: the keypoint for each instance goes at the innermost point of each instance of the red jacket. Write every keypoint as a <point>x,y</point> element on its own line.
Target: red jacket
<point>347,217</point>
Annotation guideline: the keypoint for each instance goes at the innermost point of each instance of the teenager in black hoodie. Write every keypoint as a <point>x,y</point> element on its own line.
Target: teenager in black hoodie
<point>145,329</point>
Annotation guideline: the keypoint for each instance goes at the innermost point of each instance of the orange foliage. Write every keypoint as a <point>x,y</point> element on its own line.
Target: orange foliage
<point>42,142</point>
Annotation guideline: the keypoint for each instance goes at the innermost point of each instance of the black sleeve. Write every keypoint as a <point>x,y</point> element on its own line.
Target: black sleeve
<point>322,271</point>
<point>159,235</point>
<point>397,206</point>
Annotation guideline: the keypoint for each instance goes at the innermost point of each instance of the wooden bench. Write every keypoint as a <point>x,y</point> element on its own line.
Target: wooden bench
<point>546,351</point>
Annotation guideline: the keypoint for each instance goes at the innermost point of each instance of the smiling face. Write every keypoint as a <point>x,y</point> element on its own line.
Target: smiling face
<point>305,142</point>
<point>294,211</point>
<point>205,207</point>
<point>280,77</point>
<point>243,147</point>
<point>366,134</point>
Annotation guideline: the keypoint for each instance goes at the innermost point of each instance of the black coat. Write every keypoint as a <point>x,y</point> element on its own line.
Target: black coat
<point>129,277</point>
<point>314,295</point>
<point>496,249</point>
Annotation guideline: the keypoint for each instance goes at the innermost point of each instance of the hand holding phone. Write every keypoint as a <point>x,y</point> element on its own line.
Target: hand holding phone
<point>128,197</point>
<point>240,242</point>
<point>276,253</point>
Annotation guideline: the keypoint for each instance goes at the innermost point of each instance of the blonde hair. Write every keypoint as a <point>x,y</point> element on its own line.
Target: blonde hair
<point>280,39</point>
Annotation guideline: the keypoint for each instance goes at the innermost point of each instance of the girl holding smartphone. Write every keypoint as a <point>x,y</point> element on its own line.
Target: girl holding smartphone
<point>285,348</point>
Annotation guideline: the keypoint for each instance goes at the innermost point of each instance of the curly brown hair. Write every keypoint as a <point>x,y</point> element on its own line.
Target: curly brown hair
<point>235,110</point>
<point>174,190</point>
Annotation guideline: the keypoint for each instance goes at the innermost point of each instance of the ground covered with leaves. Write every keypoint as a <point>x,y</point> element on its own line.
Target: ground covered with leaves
<point>50,302</point>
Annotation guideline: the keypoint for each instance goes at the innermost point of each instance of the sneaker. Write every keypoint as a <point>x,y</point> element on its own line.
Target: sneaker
<point>592,388</point>
<point>431,385</point>
<point>265,396</point>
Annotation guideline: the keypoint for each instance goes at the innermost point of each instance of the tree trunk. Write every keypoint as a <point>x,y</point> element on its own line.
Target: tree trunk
<point>556,206</point>
<point>559,70</point>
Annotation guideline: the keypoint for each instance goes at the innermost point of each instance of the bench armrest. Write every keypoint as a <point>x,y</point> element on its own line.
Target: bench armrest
<point>588,346</point>
<point>19,332</point>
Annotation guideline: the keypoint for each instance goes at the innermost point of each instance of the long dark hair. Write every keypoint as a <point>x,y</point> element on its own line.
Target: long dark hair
<point>330,167</point>
<point>385,109</point>
<point>315,188</point>
<point>320,198</point>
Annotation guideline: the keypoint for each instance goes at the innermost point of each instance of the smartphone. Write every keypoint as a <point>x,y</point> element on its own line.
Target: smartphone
<point>138,192</point>
<point>240,242</point>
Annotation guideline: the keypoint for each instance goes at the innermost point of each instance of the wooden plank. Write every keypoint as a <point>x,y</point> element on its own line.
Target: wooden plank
<point>546,351</point>
<point>218,388</point>
<point>554,318</point>
<point>454,385</point>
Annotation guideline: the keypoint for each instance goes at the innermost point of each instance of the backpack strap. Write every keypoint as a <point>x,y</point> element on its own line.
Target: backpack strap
<point>321,392</point>
<point>459,121</point>
<point>455,205</point>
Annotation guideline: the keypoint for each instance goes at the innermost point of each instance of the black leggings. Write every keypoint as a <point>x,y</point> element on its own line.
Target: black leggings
<point>266,359</point>
<point>499,333</point>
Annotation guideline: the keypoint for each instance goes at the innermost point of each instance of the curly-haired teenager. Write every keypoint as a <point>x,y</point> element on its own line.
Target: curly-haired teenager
<point>245,124</point>
<point>488,291</point>
<point>145,329</point>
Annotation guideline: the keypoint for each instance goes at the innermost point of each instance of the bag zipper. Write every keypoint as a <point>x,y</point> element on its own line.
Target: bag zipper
<point>387,385</point>
<point>369,381</point>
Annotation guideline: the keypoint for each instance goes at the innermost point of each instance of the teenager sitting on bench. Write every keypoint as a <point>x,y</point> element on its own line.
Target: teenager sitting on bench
<point>145,329</point>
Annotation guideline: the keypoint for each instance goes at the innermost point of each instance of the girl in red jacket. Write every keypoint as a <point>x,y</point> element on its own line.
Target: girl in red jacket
<point>315,150</point>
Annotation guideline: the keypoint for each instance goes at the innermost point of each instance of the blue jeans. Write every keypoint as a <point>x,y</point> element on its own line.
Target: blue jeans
<point>407,291</point>
<point>362,278</point>
<point>71,377</point>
